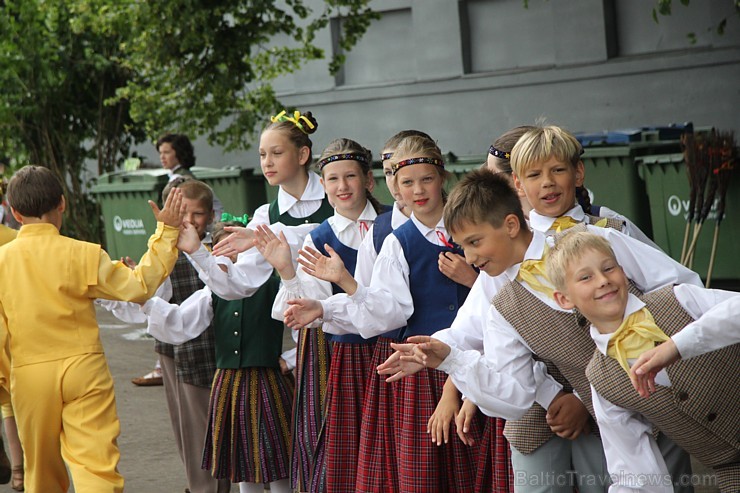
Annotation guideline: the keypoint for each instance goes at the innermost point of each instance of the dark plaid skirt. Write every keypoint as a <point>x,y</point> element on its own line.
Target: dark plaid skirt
<point>425,467</point>
<point>377,467</point>
<point>248,434</point>
<point>312,366</point>
<point>495,474</point>
<point>350,368</point>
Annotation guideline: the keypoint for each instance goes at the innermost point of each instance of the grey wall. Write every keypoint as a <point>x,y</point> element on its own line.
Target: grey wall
<point>465,71</point>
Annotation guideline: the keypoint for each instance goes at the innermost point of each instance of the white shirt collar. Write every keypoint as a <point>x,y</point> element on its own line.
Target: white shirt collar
<point>602,340</point>
<point>535,250</point>
<point>425,230</point>
<point>398,217</point>
<point>541,223</point>
<point>368,215</point>
<point>313,191</point>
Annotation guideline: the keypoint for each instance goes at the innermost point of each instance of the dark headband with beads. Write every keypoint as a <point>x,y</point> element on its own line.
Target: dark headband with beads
<point>418,160</point>
<point>499,153</point>
<point>362,158</point>
<point>386,156</point>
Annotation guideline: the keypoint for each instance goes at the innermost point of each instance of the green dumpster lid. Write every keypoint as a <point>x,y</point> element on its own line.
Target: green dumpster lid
<point>131,181</point>
<point>675,158</point>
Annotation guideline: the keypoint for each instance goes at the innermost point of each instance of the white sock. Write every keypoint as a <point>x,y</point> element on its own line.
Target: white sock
<point>280,486</point>
<point>251,488</point>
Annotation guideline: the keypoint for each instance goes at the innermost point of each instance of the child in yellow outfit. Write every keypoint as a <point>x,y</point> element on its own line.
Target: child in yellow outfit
<point>61,387</point>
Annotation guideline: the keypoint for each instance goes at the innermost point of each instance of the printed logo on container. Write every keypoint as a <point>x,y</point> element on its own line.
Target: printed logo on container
<point>129,227</point>
<point>677,206</point>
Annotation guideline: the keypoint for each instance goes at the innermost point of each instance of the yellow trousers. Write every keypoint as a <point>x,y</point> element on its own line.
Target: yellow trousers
<point>66,413</point>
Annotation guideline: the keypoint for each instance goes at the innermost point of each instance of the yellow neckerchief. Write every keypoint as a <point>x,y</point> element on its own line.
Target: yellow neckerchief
<point>562,223</point>
<point>529,270</point>
<point>637,334</point>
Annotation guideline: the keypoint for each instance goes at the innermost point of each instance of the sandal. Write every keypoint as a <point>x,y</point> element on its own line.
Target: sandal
<point>17,480</point>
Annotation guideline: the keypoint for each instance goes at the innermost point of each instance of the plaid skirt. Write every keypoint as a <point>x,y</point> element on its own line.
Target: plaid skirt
<point>307,451</point>
<point>350,368</point>
<point>248,434</point>
<point>495,474</point>
<point>425,467</point>
<point>377,466</point>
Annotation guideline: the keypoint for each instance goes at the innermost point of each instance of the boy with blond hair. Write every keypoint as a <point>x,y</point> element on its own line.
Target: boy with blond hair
<point>61,387</point>
<point>554,433</point>
<point>695,401</point>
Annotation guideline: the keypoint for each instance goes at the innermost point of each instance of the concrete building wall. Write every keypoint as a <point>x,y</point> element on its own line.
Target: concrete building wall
<point>465,71</point>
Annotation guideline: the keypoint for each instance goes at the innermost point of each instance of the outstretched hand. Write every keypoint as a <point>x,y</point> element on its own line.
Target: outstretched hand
<point>301,312</point>
<point>240,240</point>
<point>396,367</point>
<point>454,266</point>
<point>276,250</point>
<point>330,269</point>
<point>648,365</point>
<point>429,351</point>
<point>189,240</point>
<point>172,212</point>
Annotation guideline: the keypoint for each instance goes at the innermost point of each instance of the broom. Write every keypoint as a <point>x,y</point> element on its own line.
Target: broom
<point>689,157</point>
<point>701,173</point>
<point>727,157</point>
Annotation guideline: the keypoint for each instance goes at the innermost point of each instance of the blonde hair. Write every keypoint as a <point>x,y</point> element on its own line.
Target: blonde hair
<point>418,146</point>
<point>506,142</point>
<point>542,144</point>
<point>568,250</point>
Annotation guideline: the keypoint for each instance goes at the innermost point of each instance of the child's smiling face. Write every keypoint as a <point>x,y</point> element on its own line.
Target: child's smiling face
<point>487,247</point>
<point>550,186</point>
<point>597,286</point>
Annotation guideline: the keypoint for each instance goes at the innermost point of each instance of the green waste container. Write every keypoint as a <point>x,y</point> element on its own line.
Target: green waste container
<point>668,190</point>
<point>127,218</point>
<point>240,190</point>
<point>613,181</point>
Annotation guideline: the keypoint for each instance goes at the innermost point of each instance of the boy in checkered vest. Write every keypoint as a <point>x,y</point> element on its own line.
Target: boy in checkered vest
<point>694,402</point>
<point>554,442</point>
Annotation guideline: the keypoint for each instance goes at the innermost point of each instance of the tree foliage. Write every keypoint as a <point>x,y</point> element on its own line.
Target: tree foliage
<point>86,79</point>
<point>206,67</point>
<point>665,7</point>
<point>53,107</point>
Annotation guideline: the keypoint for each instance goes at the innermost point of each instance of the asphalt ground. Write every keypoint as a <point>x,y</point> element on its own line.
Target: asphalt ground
<point>149,459</point>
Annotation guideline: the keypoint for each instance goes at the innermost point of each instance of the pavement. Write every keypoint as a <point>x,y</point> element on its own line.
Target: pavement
<point>150,462</point>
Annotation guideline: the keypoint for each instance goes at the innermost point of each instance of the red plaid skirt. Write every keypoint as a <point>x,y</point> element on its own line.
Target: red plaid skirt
<point>423,466</point>
<point>377,467</point>
<point>350,367</point>
<point>494,462</point>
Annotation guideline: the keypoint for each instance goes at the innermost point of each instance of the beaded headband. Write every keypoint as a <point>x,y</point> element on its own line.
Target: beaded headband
<point>386,156</point>
<point>296,120</point>
<point>417,160</point>
<point>343,157</point>
<point>499,153</point>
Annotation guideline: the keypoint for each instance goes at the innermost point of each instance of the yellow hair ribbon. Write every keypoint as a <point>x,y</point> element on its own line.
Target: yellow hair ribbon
<point>295,120</point>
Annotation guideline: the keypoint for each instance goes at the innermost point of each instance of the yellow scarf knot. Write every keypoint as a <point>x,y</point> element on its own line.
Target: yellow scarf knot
<point>637,334</point>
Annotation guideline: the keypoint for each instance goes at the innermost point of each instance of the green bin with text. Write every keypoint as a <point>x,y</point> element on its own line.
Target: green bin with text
<point>668,191</point>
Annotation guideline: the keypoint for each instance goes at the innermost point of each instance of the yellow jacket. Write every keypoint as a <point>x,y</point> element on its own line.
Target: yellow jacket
<point>49,282</point>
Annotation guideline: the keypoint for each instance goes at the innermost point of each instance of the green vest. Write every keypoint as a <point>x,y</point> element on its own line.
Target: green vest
<point>246,334</point>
